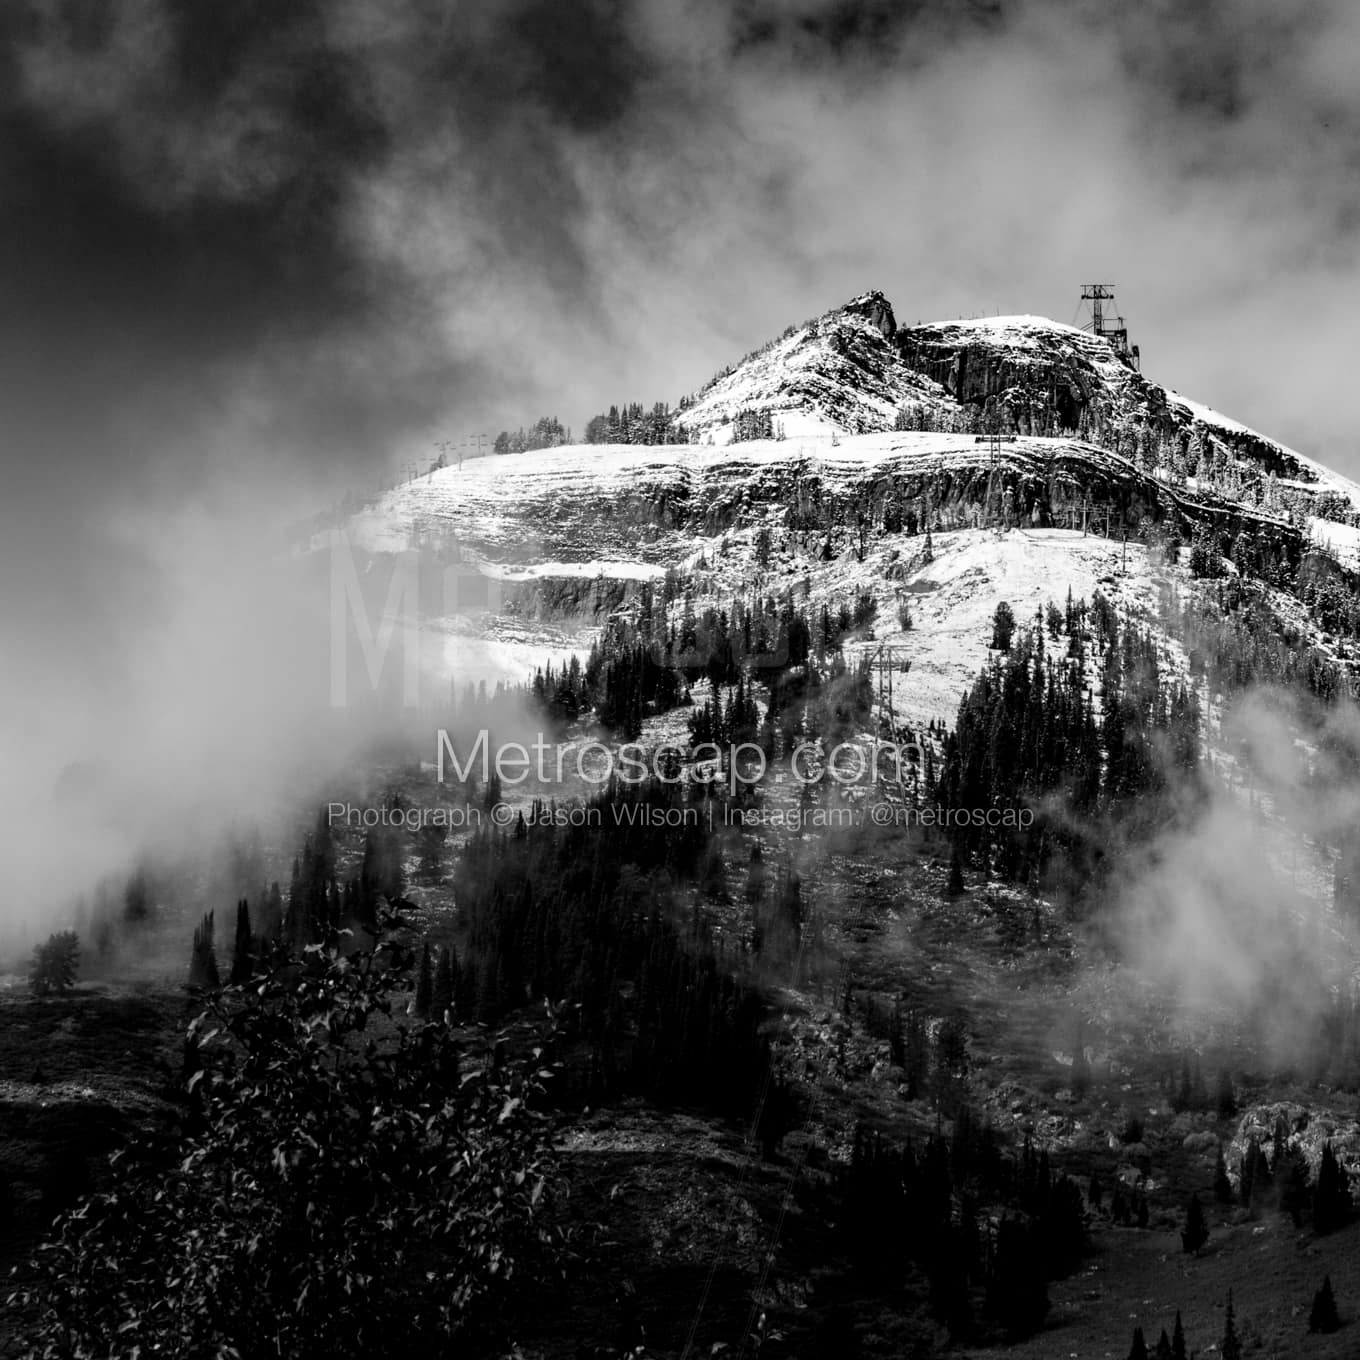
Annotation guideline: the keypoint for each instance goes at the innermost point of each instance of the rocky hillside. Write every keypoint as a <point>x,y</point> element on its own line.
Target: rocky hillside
<point>841,373</point>
<point>881,435</point>
<point>855,371</point>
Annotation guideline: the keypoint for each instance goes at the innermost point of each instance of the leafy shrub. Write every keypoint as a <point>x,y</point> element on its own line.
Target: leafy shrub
<point>54,964</point>
<point>348,1193</point>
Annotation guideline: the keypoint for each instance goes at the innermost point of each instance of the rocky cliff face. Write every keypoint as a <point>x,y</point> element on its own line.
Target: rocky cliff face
<point>854,371</point>
<point>875,433</point>
<point>1043,378</point>
<point>624,512</point>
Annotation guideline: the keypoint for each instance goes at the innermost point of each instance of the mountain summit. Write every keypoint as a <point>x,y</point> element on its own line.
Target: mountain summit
<point>824,462</point>
<point>853,370</point>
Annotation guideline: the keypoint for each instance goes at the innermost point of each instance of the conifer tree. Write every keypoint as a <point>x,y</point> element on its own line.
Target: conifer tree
<point>136,899</point>
<point>1003,627</point>
<point>54,964</point>
<point>1183,1096</point>
<point>203,960</point>
<point>1323,1317</point>
<point>1138,1350</point>
<point>1230,1348</point>
<point>1331,1199</point>
<point>271,916</point>
<point>1081,1068</point>
<point>1178,1339</point>
<point>1163,1351</point>
<point>424,986</point>
<point>1292,1181</point>
<point>242,962</point>
<point>1226,1097</point>
<point>956,885</point>
<point>1199,1095</point>
<point>441,1000</point>
<point>1195,1233</point>
<point>1017,1295</point>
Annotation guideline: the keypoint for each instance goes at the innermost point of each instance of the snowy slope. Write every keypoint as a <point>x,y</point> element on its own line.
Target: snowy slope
<point>838,373</point>
<point>1307,473</point>
<point>628,510</point>
<point>953,598</point>
<point>570,534</point>
<point>853,371</point>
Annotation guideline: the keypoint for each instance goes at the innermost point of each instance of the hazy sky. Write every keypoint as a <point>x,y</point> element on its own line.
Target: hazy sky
<point>252,254</point>
<point>332,232</point>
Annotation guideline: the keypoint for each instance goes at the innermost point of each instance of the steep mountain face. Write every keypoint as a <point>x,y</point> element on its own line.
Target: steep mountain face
<point>879,434</point>
<point>625,510</point>
<point>839,373</point>
<point>854,371</point>
<point>1036,374</point>
<point>1041,377</point>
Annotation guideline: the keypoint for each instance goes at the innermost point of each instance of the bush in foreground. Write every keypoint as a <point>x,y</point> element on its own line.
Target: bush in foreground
<point>347,1195</point>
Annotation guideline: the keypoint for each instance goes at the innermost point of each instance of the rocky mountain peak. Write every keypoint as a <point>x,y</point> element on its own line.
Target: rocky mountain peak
<point>876,309</point>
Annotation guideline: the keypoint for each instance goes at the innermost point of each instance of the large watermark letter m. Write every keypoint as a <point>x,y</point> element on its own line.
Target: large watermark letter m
<point>401,607</point>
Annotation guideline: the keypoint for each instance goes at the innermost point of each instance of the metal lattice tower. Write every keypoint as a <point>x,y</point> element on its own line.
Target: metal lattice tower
<point>1111,327</point>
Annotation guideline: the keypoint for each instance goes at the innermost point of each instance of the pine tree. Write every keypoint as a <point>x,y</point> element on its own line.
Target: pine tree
<point>1138,1351</point>
<point>1081,1068</point>
<point>1178,1339</point>
<point>1003,627</point>
<point>424,986</point>
<point>1292,1180</point>
<point>441,1001</point>
<point>136,899</point>
<point>1331,1199</point>
<point>1017,1295</point>
<point>1195,1233</point>
<point>1163,1351</point>
<point>956,885</point>
<point>1226,1097</point>
<point>1231,1347</point>
<point>1183,1097</point>
<point>242,962</point>
<point>1323,1317</point>
<point>203,960</point>
<point>54,964</point>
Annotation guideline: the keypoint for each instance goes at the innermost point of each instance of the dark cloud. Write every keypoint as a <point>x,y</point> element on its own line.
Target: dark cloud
<point>578,58</point>
<point>876,32</point>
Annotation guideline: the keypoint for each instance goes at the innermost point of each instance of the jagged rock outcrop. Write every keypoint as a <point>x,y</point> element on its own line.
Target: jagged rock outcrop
<point>1306,1130</point>
<point>837,373</point>
<point>1043,378</point>
<point>876,310</point>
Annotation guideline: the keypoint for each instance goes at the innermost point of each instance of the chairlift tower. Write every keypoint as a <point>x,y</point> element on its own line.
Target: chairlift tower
<point>993,511</point>
<point>1109,326</point>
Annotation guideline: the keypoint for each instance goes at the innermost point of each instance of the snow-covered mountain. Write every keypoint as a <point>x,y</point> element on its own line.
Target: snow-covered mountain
<point>1027,434</point>
<point>838,373</point>
<point>855,371</point>
<point>930,472</point>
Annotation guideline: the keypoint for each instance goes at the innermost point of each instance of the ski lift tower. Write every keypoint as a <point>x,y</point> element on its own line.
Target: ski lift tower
<point>1109,326</point>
